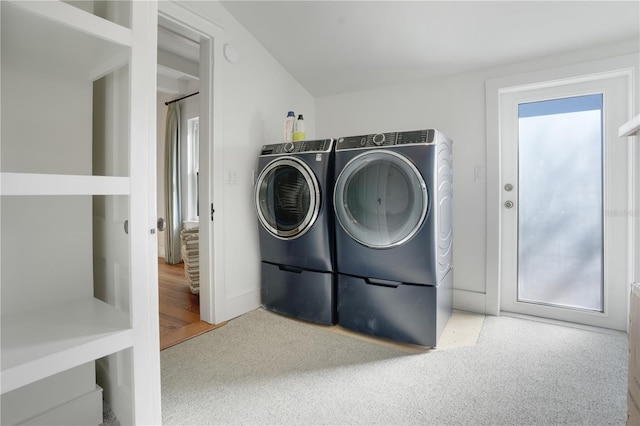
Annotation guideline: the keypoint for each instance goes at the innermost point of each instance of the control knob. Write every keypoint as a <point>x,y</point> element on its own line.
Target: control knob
<point>378,139</point>
<point>288,147</point>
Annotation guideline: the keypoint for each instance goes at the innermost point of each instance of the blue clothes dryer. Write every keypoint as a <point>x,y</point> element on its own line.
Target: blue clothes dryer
<point>293,197</point>
<point>393,198</point>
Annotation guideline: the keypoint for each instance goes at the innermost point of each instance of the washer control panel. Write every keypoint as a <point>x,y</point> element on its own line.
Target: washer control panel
<point>386,139</point>
<point>299,147</point>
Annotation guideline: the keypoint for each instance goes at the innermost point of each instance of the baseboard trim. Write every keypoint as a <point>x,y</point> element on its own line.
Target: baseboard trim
<point>561,323</point>
<point>470,301</point>
<point>241,304</point>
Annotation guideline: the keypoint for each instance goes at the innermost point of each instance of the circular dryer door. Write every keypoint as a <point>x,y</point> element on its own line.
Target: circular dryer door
<point>287,198</point>
<point>380,199</point>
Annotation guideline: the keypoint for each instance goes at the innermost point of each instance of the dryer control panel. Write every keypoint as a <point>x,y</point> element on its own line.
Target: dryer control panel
<point>386,139</point>
<point>299,147</point>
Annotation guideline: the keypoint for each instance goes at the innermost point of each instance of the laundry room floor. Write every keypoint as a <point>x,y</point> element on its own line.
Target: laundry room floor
<point>462,329</point>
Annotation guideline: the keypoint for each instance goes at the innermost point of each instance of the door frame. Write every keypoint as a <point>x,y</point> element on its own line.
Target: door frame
<point>612,86</point>
<point>494,88</point>
<point>211,260</point>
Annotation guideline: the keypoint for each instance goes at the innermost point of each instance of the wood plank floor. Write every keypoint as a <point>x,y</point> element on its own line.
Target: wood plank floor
<point>179,308</point>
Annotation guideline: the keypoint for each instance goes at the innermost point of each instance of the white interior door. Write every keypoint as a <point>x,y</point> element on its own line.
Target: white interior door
<point>210,299</point>
<point>563,178</point>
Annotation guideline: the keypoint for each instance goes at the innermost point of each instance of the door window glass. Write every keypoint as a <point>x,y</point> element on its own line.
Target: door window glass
<point>560,215</point>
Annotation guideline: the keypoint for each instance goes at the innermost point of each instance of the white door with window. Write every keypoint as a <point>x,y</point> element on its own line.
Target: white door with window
<point>563,181</point>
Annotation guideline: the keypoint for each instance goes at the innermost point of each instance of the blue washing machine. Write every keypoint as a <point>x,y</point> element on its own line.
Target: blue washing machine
<point>293,197</point>
<point>393,200</point>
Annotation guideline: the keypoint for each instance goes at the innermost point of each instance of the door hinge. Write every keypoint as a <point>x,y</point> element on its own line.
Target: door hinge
<point>212,211</point>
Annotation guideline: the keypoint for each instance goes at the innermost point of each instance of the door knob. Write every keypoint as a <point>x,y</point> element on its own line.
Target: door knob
<point>508,204</point>
<point>160,224</point>
<point>508,187</point>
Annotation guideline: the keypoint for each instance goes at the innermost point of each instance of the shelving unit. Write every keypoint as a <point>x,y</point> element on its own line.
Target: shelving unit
<point>77,289</point>
<point>48,184</point>
<point>40,344</point>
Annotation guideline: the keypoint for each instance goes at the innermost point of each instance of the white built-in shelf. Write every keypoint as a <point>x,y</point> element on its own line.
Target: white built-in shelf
<point>77,19</point>
<point>59,37</point>
<point>630,128</point>
<point>49,184</point>
<point>41,343</point>
<point>62,47</point>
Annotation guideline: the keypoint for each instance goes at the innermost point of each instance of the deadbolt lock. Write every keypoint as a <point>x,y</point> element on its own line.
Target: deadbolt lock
<point>508,204</point>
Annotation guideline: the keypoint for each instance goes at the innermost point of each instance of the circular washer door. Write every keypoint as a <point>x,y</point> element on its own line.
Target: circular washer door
<point>380,199</point>
<point>287,198</point>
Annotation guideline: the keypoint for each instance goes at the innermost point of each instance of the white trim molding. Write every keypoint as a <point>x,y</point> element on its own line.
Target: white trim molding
<point>470,301</point>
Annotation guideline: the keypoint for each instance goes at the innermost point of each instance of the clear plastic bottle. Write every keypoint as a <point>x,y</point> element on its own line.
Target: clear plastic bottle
<point>298,132</point>
<point>289,122</point>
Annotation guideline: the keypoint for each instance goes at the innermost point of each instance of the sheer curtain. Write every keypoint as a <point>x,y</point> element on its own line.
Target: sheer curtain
<point>173,201</point>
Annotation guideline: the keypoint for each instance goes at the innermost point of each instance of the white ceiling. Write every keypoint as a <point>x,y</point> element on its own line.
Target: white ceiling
<point>340,46</point>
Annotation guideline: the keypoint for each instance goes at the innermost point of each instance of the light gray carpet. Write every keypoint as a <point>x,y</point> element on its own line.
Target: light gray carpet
<point>262,368</point>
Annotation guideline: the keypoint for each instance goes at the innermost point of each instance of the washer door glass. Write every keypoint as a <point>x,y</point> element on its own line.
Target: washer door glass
<point>287,198</point>
<point>380,199</point>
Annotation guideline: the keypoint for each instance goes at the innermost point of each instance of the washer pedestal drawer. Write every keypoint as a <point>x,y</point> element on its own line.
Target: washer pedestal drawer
<point>413,314</point>
<point>299,293</point>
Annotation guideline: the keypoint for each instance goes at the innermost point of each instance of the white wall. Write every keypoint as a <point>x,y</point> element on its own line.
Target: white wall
<point>256,94</point>
<point>636,209</point>
<point>46,128</point>
<point>456,105</point>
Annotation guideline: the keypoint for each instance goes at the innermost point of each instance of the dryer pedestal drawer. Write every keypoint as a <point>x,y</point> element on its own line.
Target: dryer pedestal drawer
<point>406,313</point>
<point>298,293</point>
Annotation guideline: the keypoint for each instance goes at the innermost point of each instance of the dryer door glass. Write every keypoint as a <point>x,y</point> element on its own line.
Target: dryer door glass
<point>380,199</point>
<point>287,198</point>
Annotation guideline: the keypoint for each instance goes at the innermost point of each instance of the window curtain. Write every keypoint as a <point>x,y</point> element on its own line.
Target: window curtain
<point>173,201</point>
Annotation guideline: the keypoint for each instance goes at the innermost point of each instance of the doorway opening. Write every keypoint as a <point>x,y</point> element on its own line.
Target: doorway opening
<point>180,284</point>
